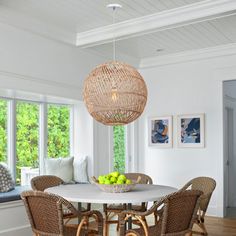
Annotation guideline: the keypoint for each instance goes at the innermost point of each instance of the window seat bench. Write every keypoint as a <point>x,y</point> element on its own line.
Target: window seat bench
<point>14,194</point>
<point>14,220</point>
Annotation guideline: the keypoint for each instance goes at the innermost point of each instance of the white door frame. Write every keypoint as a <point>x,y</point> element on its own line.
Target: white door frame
<point>227,155</point>
<point>225,105</point>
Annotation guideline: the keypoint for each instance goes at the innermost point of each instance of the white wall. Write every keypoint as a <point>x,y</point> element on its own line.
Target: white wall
<point>14,220</point>
<point>102,148</point>
<point>83,136</point>
<point>32,63</point>
<point>187,88</point>
<point>41,66</point>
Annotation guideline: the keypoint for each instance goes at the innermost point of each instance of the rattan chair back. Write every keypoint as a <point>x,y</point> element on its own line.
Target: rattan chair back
<point>180,211</point>
<point>45,212</point>
<point>176,215</point>
<point>145,179</point>
<point>40,183</point>
<point>204,184</point>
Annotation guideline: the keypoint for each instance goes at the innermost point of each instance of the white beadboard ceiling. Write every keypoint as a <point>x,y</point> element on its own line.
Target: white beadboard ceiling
<point>84,15</point>
<point>66,18</point>
<point>190,37</point>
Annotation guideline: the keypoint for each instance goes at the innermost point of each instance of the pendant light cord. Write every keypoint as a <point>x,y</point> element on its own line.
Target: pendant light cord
<point>114,39</point>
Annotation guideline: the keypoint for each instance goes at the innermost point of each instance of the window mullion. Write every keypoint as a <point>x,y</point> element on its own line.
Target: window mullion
<point>111,148</point>
<point>71,135</point>
<point>43,136</point>
<point>11,136</point>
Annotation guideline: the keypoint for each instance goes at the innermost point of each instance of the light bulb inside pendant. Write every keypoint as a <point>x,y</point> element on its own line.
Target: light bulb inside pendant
<point>114,94</point>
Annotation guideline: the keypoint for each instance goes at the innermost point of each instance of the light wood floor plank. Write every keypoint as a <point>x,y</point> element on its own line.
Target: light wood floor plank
<point>215,227</point>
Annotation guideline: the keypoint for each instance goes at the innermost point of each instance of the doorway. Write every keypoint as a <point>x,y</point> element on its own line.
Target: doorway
<point>230,148</point>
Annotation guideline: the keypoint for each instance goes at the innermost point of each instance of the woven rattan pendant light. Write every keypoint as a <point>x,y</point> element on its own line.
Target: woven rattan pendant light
<point>115,92</point>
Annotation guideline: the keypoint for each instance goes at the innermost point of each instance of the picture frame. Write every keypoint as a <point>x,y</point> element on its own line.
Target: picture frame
<point>160,132</point>
<point>191,131</point>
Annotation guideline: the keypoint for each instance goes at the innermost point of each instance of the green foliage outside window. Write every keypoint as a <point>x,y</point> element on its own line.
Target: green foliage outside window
<point>119,148</point>
<point>27,135</point>
<point>3,131</point>
<point>58,131</point>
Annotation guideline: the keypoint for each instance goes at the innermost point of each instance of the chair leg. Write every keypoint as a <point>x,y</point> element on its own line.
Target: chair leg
<point>189,234</point>
<point>117,226</point>
<point>203,229</point>
<point>131,234</point>
<point>106,225</point>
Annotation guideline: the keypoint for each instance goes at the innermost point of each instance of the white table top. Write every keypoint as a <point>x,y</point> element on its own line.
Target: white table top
<point>91,193</point>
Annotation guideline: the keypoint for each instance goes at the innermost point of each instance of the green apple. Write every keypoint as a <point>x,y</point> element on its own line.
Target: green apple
<point>107,181</point>
<point>122,177</point>
<point>113,179</point>
<point>115,174</point>
<point>119,181</point>
<point>101,179</point>
<point>128,181</point>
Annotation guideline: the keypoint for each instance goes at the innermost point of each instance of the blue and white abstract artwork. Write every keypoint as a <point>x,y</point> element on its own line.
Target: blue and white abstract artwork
<point>190,130</point>
<point>160,131</point>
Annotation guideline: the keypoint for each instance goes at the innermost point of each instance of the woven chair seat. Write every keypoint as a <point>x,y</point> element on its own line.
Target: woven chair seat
<point>71,231</point>
<point>120,207</point>
<point>67,212</point>
<point>154,230</point>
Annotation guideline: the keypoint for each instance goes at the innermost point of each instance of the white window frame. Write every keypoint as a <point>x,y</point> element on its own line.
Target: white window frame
<point>43,137</point>
<point>43,134</point>
<point>131,145</point>
<point>11,136</point>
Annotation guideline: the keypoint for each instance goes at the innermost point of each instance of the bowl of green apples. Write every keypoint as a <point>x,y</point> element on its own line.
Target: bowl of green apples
<point>114,182</point>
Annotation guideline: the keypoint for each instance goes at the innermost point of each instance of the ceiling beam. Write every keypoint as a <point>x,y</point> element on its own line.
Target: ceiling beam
<point>177,17</point>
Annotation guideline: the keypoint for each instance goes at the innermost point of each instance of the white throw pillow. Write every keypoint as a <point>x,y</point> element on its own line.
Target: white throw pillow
<point>61,167</point>
<point>80,170</point>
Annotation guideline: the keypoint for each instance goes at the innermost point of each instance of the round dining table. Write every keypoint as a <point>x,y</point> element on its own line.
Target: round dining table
<point>90,193</point>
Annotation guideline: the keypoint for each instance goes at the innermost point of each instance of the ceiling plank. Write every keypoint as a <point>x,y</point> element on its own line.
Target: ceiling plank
<point>176,17</point>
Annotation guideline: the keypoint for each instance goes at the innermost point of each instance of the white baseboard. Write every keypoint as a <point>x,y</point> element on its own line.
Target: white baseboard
<point>19,231</point>
<point>212,211</point>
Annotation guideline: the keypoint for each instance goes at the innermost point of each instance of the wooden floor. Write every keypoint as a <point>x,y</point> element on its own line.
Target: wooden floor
<point>215,227</point>
<point>220,226</point>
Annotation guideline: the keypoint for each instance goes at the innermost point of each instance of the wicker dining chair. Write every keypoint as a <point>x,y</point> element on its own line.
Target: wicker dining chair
<point>207,186</point>
<point>45,214</point>
<point>110,211</point>
<point>42,182</point>
<point>178,213</point>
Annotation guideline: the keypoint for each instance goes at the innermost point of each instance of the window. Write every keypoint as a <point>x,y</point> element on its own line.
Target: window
<point>24,127</point>
<point>3,131</point>
<point>58,131</point>
<point>119,149</point>
<point>27,139</point>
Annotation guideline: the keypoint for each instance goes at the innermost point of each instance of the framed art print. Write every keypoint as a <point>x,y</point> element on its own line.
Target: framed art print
<point>160,131</point>
<point>190,130</point>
